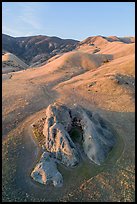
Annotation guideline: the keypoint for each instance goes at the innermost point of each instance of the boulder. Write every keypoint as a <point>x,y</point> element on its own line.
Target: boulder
<point>46,171</point>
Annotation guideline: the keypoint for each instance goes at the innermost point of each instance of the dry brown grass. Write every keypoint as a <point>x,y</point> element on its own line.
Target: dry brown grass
<point>67,79</point>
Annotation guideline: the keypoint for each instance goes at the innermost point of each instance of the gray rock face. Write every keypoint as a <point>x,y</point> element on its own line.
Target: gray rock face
<point>97,141</point>
<point>57,139</point>
<point>46,171</point>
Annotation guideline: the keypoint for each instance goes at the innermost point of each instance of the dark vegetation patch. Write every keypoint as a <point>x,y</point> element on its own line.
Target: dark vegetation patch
<point>125,80</point>
<point>37,129</point>
<point>105,61</point>
<point>76,135</point>
<point>96,50</point>
<point>92,84</point>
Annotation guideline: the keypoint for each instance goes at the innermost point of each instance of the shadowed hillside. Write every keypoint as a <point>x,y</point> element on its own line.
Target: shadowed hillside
<point>36,49</point>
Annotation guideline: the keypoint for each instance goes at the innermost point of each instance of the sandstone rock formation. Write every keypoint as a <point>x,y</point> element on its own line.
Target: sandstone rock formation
<point>57,139</point>
<point>97,140</point>
<point>46,171</point>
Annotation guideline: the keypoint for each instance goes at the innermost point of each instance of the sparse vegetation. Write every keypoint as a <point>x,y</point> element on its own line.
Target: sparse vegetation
<point>96,50</point>
<point>105,61</point>
<point>37,129</point>
<point>92,84</point>
<point>38,135</point>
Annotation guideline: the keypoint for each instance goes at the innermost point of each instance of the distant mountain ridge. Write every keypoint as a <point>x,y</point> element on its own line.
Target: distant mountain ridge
<point>35,49</point>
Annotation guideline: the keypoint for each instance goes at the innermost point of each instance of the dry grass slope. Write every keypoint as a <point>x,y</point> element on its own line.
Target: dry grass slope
<point>103,82</point>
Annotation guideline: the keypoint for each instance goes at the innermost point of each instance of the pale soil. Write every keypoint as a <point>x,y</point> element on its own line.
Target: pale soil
<point>67,79</point>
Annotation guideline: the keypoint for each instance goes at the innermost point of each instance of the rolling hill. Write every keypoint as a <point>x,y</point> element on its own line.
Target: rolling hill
<point>11,63</point>
<point>99,76</point>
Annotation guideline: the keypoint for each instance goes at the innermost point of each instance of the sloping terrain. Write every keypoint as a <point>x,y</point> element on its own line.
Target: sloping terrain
<point>103,82</point>
<point>11,63</point>
<point>107,45</point>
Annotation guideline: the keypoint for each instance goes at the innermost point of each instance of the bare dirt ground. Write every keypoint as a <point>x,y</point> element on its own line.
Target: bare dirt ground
<point>70,79</point>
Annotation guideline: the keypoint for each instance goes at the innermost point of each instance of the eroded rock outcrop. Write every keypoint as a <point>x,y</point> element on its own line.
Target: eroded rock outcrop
<point>57,139</point>
<point>97,140</point>
<point>46,171</point>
